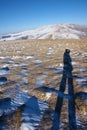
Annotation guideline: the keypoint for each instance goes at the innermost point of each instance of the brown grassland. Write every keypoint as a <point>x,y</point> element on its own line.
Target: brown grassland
<point>36,62</point>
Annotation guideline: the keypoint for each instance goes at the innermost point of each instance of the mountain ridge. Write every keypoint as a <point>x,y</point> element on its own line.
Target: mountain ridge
<point>56,31</point>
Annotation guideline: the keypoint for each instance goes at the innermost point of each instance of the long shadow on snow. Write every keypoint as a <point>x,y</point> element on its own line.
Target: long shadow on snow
<point>67,77</point>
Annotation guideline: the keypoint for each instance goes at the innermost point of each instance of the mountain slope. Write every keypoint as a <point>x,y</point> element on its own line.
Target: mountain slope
<point>60,31</point>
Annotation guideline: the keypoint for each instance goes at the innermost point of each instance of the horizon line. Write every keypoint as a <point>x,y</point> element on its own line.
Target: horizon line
<point>33,28</point>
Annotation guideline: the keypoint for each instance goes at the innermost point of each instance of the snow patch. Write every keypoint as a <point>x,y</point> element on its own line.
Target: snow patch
<point>4,71</point>
<point>48,95</point>
<point>12,105</point>
<point>32,114</point>
<point>29,57</point>
<point>50,51</point>
<point>40,82</point>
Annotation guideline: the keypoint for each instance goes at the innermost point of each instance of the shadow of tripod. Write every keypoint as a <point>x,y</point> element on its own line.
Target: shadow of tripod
<point>67,76</point>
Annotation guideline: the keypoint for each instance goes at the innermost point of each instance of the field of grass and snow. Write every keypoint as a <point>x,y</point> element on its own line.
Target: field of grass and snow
<point>30,76</point>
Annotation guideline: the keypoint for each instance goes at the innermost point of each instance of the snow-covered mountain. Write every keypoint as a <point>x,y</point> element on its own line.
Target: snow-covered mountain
<point>58,31</point>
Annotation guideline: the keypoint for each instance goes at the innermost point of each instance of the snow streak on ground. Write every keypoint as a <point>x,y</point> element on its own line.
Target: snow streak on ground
<point>10,105</point>
<point>33,113</point>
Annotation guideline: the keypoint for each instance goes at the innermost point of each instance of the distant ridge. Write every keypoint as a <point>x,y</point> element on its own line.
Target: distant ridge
<point>57,31</point>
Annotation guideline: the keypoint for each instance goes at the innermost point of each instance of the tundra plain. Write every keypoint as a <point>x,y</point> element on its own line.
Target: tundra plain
<point>33,69</point>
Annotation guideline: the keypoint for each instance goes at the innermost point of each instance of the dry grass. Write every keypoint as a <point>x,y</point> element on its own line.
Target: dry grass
<point>50,53</point>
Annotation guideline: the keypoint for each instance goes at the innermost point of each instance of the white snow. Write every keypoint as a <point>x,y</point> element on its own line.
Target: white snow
<point>32,114</point>
<point>48,95</point>
<point>37,61</point>
<point>20,98</point>
<point>67,31</point>
<point>58,70</point>
<point>20,64</point>
<point>4,57</point>
<point>61,65</point>
<point>81,81</point>
<point>16,57</point>
<point>26,126</point>
<point>33,109</point>
<point>3,71</point>
<point>40,82</point>
<point>29,57</point>
<point>50,51</point>
<point>74,63</point>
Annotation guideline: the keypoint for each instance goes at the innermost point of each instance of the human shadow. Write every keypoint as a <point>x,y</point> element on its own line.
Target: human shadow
<point>67,77</point>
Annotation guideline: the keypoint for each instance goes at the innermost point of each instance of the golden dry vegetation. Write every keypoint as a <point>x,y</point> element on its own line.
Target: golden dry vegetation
<point>36,63</point>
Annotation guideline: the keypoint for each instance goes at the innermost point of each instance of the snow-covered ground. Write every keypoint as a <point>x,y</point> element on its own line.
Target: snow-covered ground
<point>33,109</point>
<point>33,113</point>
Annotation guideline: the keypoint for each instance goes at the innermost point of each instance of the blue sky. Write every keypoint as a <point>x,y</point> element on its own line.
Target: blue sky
<point>19,15</point>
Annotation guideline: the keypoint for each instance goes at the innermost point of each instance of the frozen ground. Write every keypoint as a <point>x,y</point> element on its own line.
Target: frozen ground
<point>30,76</point>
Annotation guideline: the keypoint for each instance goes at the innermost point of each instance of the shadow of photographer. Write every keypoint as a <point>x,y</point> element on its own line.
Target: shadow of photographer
<point>66,77</point>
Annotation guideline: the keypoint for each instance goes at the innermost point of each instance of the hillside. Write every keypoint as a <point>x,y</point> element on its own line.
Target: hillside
<point>58,31</point>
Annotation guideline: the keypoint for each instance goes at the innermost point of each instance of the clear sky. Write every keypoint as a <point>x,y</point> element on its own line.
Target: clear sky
<point>19,15</point>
